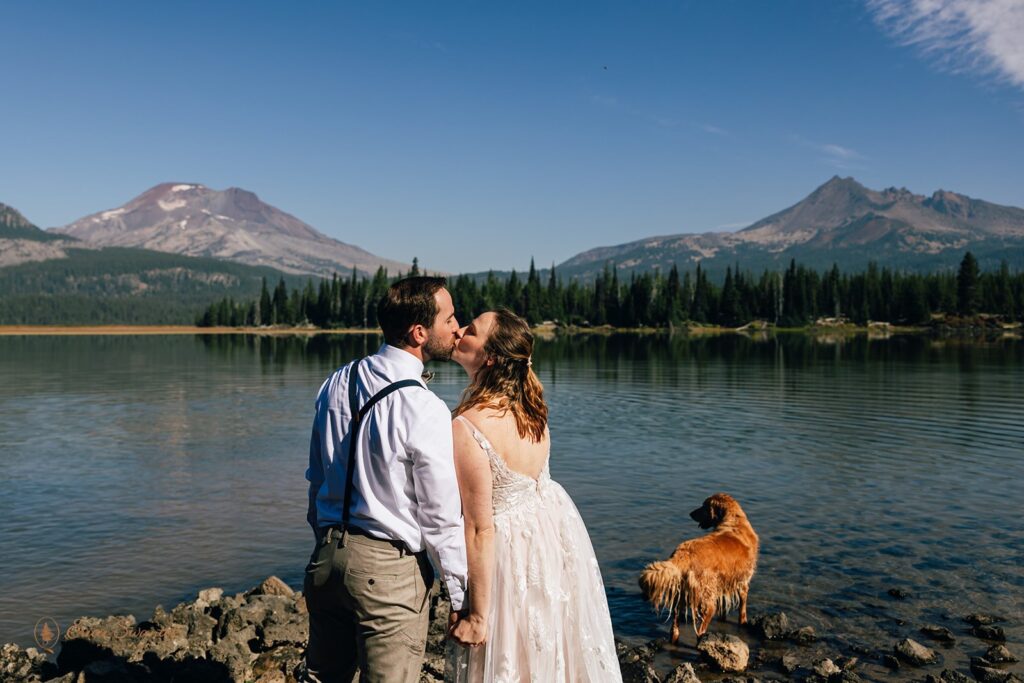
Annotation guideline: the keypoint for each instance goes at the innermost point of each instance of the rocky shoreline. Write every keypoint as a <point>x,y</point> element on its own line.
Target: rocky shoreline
<point>260,636</point>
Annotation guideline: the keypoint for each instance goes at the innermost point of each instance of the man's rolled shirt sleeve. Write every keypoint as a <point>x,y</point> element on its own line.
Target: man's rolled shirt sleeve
<point>439,509</point>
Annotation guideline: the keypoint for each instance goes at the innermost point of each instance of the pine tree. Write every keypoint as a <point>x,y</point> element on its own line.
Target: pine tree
<point>967,286</point>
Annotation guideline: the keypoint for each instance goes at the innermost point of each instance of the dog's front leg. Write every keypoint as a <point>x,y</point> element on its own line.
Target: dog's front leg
<point>743,604</point>
<point>707,613</point>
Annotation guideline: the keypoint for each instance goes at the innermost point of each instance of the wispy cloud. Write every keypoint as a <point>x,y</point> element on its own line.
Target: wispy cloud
<point>839,156</point>
<point>983,37</point>
<point>655,118</point>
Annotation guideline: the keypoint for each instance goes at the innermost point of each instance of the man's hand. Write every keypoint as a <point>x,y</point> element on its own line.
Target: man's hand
<point>454,616</point>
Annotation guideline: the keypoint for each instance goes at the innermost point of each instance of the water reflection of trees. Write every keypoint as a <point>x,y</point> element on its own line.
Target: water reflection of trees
<point>610,354</point>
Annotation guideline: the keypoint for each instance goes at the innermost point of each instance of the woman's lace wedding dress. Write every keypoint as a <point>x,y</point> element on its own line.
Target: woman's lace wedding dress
<point>549,619</point>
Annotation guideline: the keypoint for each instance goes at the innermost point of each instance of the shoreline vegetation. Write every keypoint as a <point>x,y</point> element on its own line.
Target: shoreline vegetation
<point>939,325</point>
<point>796,298</point>
<point>260,635</point>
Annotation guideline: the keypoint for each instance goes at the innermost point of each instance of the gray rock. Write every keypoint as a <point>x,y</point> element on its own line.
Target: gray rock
<point>236,656</point>
<point>21,665</point>
<point>998,654</point>
<point>804,635</point>
<point>726,652</point>
<point>825,668</point>
<point>277,664</point>
<point>773,626</point>
<point>940,633</point>
<point>982,619</point>
<point>638,672</point>
<point>914,653</point>
<point>272,586</point>
<point>947,676</point>
<point>294,631</point>
<point>987,632</point>
<point>790,662</point>
<point>984,672</point>
<point>846,663</point>
<point>898,593</point>
<point>683,673</point>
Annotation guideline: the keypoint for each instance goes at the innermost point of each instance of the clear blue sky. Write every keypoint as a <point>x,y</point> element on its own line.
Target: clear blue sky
<point>476,135</point>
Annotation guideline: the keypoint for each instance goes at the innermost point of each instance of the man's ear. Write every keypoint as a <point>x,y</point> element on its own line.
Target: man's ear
<point>418,335</point>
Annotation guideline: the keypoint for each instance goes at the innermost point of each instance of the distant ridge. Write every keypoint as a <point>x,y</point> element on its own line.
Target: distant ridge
<point>233,224</point>
<point>841,221</point>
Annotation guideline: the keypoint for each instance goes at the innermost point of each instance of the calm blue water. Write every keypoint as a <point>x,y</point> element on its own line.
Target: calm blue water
<point>136,470</point>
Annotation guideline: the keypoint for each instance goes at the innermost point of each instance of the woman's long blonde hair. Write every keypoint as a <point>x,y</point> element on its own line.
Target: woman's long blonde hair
<point>509,384</point>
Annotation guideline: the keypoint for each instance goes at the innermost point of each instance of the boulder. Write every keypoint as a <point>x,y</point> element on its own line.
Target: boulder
<point>272,586</point>
<point>21,665</point>
<point>987,632</point>
<point>825,668</point>
<point>790,662</point>
<point>940,633</point>
<point>914,653</point>
<point>774,626</point>
<point>986,673</point>
<point>278,664</point>
<point>635,663</point>
<point>804,635</point>
<point>948,676</point>
<point>726,652</point>
<point>683,673</point>
<point>998,654</point>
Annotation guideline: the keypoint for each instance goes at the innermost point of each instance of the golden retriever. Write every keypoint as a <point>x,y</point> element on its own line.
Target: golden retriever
<point>709,573</point>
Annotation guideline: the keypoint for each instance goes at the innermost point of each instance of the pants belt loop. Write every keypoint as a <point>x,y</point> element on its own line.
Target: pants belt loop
<point>344,538</point>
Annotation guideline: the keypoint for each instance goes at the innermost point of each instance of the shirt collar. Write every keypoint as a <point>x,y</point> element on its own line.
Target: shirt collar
<point>407,364</point>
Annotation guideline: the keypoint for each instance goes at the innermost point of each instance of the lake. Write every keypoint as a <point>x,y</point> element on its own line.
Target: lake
<point>135,470</point>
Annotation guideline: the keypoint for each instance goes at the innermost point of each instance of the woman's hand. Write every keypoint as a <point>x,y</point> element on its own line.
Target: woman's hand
<point>470,631</point>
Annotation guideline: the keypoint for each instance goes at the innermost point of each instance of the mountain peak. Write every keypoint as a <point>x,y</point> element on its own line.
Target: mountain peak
<point>234,224</point>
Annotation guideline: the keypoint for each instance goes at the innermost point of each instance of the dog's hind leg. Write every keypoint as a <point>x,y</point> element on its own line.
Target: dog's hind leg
<point>676,609</point>
<point>743,604</point>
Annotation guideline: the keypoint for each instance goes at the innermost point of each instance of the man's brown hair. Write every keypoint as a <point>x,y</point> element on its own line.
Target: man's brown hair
<point>408,302</point>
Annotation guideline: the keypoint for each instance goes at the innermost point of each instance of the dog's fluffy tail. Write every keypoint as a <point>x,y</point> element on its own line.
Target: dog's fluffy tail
<point>661,583</point>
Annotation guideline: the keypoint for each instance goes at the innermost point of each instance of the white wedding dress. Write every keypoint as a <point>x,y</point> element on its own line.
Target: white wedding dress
<point>549,619</point>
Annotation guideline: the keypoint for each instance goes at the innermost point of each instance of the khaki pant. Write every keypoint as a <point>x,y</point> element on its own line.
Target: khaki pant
<point>369,608</point>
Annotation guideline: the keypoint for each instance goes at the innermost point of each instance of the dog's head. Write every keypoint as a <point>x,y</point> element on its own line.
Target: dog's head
<point>715,510</point>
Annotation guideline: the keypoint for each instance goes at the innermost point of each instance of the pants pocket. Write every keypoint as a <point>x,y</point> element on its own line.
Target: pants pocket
<point>320,566</point>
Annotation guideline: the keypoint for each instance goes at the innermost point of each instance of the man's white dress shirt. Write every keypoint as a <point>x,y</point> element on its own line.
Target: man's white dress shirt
<point>404,487</point>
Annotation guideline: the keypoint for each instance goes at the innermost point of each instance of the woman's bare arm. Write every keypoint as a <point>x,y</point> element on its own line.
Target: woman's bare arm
<point>474,472</point>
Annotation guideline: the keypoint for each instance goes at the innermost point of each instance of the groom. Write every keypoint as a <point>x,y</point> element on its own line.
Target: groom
<point>383,497</point>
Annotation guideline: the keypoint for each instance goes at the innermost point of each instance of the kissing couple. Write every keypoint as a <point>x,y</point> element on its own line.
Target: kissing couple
<point>398,489</point>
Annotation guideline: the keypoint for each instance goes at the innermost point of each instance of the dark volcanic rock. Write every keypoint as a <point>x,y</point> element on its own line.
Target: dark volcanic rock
<point>890,661</point>
<point>898,593</point>
<point>773,626</point>
<point>940,633</point>
<point>635,663</point>
<point>989,632</point>
<point>21,665</point>
<point>790,662</point>
<point>982,619</point>
<point>804,635</point>
<point>726,652</point>
<point>947,676</point>
<point>914,653</point>
<point>998,654</point>
<point>986,673</point>
<point>683,673</point>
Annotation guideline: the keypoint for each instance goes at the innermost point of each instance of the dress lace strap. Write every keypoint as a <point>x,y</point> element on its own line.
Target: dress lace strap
<point>480,438</point>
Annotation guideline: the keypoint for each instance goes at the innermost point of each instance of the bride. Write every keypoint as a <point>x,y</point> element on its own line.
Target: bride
<point>537,610</point>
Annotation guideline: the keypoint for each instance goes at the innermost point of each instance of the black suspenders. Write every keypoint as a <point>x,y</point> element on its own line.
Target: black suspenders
<point>357,421</point>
